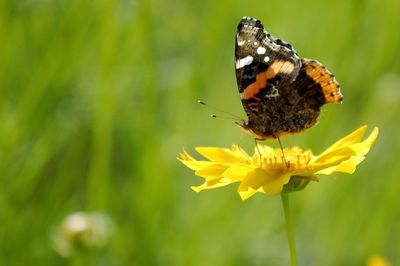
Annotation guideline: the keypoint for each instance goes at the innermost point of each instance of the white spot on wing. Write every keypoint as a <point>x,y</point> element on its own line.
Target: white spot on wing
<point>273,94</point>
<point>261,50</point>
<point>240,40</point>
<point>244,61</point>
<point>266,58</point>
<point>282,67</point>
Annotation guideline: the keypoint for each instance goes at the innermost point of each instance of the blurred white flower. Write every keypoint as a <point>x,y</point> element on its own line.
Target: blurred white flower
<point>82,230</point>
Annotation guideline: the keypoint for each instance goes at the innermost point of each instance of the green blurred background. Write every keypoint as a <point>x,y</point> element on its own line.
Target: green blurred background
<point>99,97</point>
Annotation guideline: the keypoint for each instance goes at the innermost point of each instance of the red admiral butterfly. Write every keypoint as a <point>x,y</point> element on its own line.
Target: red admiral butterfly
<point>281,93</point>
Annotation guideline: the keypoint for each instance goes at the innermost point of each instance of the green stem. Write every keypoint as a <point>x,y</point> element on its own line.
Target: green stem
<point>289,229</point>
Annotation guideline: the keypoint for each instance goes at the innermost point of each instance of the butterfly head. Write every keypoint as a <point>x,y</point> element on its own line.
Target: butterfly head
<point>249,128</point>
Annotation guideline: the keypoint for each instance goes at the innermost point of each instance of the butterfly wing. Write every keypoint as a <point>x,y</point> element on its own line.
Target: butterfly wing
<point>264,65</point>
<point>316,84</point>
<point>280,92</point>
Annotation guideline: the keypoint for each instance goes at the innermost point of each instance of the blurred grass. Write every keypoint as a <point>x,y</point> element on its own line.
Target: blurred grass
<point>98,97</point>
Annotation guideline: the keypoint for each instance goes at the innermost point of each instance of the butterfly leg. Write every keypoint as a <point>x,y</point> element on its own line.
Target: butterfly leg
<point>283,154</point>
<point>258,150</point>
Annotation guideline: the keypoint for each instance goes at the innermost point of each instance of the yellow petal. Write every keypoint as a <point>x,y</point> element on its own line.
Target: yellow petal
<point>253,182</point>
<point>221,155</point>
<point>194,165</point>
<point>209,185</point>
<point>363,148</point>
<point>332,158</point>
<point>259,180</point>
<point>347,166</point>
<point>338,152</point>
<point>237,173</point>
<point>353,137</point>
<point>185,156</point>
<point>275,185</point>
<point>212,170</point>
<point>239,151</point>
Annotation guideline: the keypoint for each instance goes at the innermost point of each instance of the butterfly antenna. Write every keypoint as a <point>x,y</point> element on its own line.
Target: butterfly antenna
<point>283,154</point>
<point>222,117</point>
<point>230,116</point>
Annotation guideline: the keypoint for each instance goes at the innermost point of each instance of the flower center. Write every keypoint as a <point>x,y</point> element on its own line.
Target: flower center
<point>291,158</point>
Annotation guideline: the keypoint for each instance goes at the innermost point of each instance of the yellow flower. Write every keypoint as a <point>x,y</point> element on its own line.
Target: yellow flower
<point>269,171</point>
<point>377,260</point>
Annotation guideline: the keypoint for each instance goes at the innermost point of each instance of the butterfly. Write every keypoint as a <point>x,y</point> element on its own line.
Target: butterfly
<point>281,93</point>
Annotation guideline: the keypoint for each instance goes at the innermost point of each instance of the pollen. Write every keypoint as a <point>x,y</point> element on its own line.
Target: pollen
<point>294,158</point>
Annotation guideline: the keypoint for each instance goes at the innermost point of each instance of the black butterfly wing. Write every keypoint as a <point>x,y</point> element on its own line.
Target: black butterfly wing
<point>265,66</point>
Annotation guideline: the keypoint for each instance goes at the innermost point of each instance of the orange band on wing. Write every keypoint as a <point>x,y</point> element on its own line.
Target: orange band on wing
<point>330,87</point>
<point>261,78</point>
